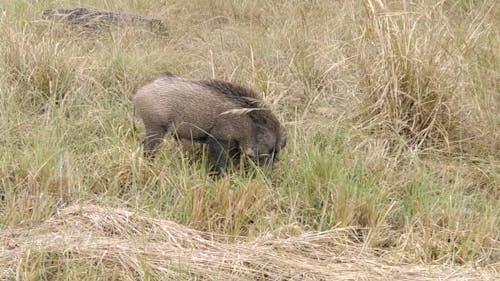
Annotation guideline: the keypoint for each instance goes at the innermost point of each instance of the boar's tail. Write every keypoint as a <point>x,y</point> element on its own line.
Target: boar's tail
<point>134,127</point>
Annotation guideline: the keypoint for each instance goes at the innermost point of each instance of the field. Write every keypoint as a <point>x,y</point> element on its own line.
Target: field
<point>391,169</point>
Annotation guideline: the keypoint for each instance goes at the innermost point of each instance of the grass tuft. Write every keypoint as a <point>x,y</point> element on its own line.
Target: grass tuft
<point>414,75</point>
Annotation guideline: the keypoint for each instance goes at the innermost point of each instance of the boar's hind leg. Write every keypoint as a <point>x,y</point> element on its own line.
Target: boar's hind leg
<point>219,152</point>
<point>154,136</point>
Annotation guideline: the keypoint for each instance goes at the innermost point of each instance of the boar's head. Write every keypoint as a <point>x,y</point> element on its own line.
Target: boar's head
<point>257,132</point>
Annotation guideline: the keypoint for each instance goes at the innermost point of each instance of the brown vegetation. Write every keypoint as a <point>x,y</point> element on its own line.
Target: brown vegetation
<point>124,244</point>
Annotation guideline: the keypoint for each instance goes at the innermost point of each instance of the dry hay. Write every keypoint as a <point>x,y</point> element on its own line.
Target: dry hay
<point>125,242</point>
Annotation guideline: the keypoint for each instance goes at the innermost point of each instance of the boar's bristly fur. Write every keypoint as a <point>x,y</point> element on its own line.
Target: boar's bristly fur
<point>230,118</point>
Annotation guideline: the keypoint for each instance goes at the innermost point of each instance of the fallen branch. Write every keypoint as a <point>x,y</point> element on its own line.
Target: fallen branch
<point>94,19</point>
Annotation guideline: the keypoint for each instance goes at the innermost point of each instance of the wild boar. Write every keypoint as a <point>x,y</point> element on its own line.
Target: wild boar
<point>229,118</point>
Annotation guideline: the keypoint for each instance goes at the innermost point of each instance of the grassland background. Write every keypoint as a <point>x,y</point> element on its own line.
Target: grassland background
<point>391,110</point>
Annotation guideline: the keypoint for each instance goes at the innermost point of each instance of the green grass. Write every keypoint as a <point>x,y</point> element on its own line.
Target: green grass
<point>391,109</point>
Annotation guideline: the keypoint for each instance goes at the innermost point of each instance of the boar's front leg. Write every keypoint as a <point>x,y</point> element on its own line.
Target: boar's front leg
<point>154,136</point>
<point>219,152</point>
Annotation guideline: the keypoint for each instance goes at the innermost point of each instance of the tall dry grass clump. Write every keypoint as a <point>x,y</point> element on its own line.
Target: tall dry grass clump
<point>415,77</point>
<point>38,63</point>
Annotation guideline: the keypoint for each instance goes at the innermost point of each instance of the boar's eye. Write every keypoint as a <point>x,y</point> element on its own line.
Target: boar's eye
<point>257,118</point>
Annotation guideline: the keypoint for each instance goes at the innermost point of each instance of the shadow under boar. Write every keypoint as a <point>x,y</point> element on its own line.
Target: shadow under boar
<point>229,118</point>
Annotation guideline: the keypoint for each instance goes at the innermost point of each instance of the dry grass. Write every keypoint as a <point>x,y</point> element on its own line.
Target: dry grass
<point>392,166</point>
<point>125,245</point>
<point>415,77</point>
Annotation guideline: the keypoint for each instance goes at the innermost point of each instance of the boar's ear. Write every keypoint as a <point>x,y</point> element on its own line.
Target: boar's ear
<point>258,117</point>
